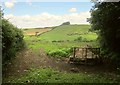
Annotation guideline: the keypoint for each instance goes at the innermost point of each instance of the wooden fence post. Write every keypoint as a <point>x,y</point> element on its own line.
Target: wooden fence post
<point>92,53</point>
<point>85,55</point>
<point>74,52</point>
<point>82,52</point>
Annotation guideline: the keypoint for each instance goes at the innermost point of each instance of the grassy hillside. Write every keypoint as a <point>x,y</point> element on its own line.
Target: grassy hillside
<point>68,32</point>
<point>62,38</point>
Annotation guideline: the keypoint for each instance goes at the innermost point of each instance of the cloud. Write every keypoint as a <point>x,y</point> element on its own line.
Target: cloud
<point>29,2</point>
<point>10,4</point>
<point>73,10</point>
<point>9,16</point>
<point>47,20</point>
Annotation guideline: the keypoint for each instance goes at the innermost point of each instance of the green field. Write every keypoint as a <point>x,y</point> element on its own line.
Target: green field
<point>62,37</point>
<point>69,32</point>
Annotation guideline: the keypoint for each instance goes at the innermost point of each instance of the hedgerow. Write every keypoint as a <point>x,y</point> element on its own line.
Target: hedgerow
<point>12,40</point>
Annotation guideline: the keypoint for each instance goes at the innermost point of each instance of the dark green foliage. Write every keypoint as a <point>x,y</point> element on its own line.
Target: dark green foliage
<point>79,39</point>
<point>12,40</point>
<point>66,23</point>
<point>105,21</point>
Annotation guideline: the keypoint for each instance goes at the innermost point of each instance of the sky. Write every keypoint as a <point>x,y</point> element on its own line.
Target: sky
<point>29,14</point>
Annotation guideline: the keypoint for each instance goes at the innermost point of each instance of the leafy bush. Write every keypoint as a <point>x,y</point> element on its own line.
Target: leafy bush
<point>84,39</point>
<point>78,39</point>
<point>58,53</point>
<point>12,40</point>
<point>81,39</point>
<point>65,52</point>
<point>108,31</point>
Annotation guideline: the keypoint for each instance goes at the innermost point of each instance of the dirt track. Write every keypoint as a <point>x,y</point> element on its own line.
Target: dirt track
<point>27,59</point>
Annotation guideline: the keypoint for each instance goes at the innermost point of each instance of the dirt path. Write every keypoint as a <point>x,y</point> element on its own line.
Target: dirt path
<point>27,59</point>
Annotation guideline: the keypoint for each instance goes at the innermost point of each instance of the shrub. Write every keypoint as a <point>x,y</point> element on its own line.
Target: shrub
<point>79,39</point>
<point>82,39</point>
<point>58,53</point>
<point>12,40</point>
<point>65,52</point>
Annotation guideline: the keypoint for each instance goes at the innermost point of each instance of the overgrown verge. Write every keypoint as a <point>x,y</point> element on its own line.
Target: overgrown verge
<point>48,75</point>
<point>12,41</point>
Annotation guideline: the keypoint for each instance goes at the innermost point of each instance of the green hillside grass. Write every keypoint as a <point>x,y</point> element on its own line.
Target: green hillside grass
<point>62,37</point>
<point>68,32</point>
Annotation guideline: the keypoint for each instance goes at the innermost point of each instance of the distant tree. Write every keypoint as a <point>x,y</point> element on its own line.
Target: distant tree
<point>105,20</point>
<point>66,23</point>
